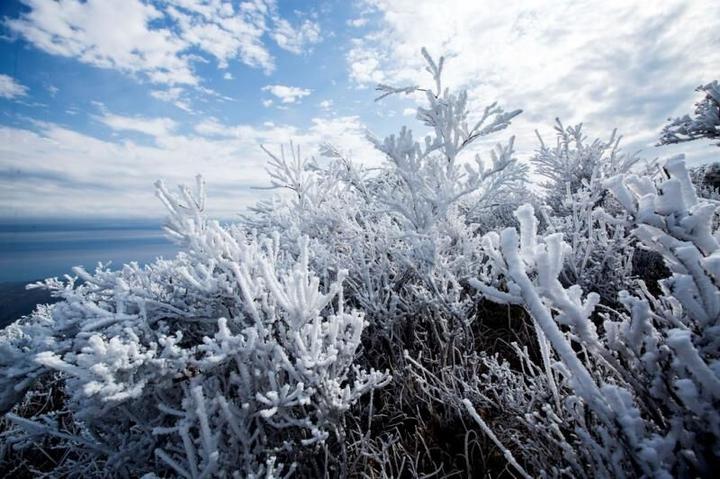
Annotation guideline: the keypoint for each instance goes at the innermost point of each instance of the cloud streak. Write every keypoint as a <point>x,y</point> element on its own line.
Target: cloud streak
<point>56,171</point>
<point>11,88</point>
<point>287,94</point>
<point>154,127</point>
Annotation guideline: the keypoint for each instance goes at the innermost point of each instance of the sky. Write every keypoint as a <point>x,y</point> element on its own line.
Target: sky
<point>99,98</point>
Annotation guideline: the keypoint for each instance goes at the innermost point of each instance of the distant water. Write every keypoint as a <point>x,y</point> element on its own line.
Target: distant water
<point>16,301</point>
<point>30,251</point>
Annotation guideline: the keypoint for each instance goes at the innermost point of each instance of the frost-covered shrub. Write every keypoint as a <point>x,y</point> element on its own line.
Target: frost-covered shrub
<point>637,395</point>
<point>705,123</point>
<point>230,359</point>
<point>574,165</point>
<point>552,352</point>
<point>576,204</point>
<point>706,179</point>
<point>407,233</point>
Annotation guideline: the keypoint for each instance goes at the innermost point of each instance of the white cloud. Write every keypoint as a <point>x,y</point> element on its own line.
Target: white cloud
<point>158,40</point>
<point>228,76</point>
<point>366,62</point>
<point>267,103</point>
<point>357,22</point>
<point>10,88</point>
<point>287,94</point>
<point>326,104</point>
<point>56,169</point>
<point>108,34</point>
<point>296,39</point>
<point>172,95</point>
<point>155,127</point>
<point>409,111</point>
<point>610,63</point>
<point>225,33</point>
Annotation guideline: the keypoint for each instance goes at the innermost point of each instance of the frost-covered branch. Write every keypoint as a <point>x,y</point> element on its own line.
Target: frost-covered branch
<point>218,361</point>
<point>705,123</point>
<point>429,176</point>
<point>649,376</point>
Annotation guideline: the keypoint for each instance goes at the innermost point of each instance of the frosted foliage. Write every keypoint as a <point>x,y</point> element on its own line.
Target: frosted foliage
<point>436,316</point>
<point>428,176</point>
<point>229,359</point>
<point>576,204</point>
<point>704,124</point>
<point>634,385</point>
<point>405,229</point>
<point>573,163</point>
<point>706,179</point>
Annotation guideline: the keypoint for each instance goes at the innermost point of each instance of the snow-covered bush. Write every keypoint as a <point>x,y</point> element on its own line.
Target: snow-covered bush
<point>407,234</point>
<point>637,394</point>
<point>229,360</point>
<point>705,123</point>
<point>393,322</point>
<point>406,231</point>
<point>573,165</point>
<point>577,205</point>
<point>706,179</point>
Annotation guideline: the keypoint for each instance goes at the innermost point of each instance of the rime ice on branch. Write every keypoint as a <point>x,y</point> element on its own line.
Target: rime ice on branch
<point>258,350</point>
<point>705,123</point>
<point>230,359</point>
<point>650,380</point>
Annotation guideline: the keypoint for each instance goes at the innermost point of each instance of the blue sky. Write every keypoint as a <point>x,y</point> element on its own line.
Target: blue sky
<point>99,98</point>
